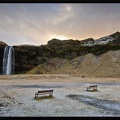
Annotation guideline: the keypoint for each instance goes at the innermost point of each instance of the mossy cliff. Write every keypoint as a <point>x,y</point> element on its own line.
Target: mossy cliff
<point>27,56</point>
<point>2,46</point>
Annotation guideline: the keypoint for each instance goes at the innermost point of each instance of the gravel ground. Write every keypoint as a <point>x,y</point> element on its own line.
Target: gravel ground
<point>70,97</point>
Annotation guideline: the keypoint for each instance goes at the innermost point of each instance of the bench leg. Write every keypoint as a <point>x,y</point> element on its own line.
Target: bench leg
<point>88,88</point>
<point>36,95</point>
<point>95,88</point>
<point>51,94</point>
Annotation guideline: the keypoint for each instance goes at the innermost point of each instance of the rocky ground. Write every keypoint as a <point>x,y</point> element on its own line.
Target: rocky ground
<point>70,97</point>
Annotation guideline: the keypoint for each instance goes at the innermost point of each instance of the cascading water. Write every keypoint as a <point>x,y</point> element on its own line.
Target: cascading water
<point>8,60</point>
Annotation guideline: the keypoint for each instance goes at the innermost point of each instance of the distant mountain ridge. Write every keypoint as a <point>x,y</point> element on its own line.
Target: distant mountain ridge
<point>109,39</point>
<point>113,38</point>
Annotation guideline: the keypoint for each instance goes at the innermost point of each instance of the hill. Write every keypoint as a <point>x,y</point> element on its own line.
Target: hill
<point>60,55</point>
<point>105,65</point>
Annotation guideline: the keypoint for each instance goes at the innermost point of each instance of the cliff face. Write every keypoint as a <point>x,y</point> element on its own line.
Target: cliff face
<point>2,46</point>
<point>27,57</point>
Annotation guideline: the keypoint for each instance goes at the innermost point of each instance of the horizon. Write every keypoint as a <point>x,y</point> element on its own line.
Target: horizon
<point>36,24</point>
<point>57,39</point>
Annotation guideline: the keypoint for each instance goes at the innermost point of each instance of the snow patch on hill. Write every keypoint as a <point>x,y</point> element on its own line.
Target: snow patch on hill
<point>103,40</point>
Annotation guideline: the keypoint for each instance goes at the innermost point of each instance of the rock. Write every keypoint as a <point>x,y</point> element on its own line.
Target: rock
<point>2,46</point>
<point>2,43</point>
<point>55,42</point>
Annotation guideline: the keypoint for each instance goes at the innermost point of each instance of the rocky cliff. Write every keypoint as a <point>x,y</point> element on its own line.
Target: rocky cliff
<point>2,46</point>
<point>27,57</point>
<point>56,54</point>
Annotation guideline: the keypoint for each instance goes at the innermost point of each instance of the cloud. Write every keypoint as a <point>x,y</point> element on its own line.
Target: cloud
<point>38,23</point>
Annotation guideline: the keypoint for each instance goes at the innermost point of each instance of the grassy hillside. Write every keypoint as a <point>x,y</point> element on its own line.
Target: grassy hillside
<point>107,65</point>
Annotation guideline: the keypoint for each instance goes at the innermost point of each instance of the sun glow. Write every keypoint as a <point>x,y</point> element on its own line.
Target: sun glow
<point>61,37</point>
<point>68,8</point>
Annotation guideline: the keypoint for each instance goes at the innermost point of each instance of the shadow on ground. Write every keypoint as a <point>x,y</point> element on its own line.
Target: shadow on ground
<point>43,97</point>
<point>104,104</point>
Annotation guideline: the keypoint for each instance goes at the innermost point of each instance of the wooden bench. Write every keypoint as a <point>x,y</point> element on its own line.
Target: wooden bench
<point>93,87</point>
<point>42,92</point>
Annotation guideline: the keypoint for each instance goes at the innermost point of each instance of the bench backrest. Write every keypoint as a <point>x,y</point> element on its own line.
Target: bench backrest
<point>45,91</point>
<point>93,86</point>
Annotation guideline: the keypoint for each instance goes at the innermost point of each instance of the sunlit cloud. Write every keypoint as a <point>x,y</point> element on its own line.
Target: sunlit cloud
<point>68,8</point>
<point>38,23</point>
<point>62,37</point>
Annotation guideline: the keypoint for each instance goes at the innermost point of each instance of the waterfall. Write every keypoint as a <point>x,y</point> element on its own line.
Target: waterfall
<point>8,60</point>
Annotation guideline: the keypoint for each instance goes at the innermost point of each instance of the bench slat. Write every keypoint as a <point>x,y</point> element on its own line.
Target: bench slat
<point>93,86</point>
<point>45,91</point>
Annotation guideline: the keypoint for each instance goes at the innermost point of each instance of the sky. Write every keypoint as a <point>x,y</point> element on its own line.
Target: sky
<point>37,23</point>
